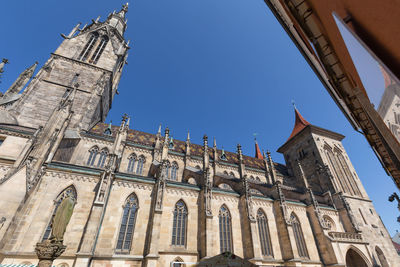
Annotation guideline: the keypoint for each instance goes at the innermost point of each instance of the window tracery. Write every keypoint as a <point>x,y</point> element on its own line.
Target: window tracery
<point>263,230</point>
<point>127,227</point>
<point>179,224</point>
<point>89,46</point>
<point>225,230</point>
<point>299,237</point>
<point>99,50</point>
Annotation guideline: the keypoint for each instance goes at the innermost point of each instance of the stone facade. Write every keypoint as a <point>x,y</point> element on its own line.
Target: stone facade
<point>129,185</point>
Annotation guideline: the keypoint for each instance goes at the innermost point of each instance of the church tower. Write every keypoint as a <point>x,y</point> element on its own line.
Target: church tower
<point>319,155</point>
<point>316,158</point>
<point>89,60</point>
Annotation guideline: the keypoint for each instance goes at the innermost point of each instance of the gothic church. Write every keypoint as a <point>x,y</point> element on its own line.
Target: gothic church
<point>144,199</point>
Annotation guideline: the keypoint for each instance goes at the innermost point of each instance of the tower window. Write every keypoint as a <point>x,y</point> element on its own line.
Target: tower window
<point>225,230</point>
<point>99,50</point>
<point>179,224</point>
<point>89,46</point>
<point>127,224</point>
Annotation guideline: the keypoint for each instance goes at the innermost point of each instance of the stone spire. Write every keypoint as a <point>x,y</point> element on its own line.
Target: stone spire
<point>123,11</point>
<point>159,130</point>
<point>21,81</point>
<point>188,144</point>
<point>205,152</point>
<point>117,19</point>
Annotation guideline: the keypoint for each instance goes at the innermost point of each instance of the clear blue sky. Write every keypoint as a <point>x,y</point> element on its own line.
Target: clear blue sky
<point>224,68</point>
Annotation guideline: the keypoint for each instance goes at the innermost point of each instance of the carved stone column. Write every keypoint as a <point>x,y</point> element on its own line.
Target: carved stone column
<point>47,251</point>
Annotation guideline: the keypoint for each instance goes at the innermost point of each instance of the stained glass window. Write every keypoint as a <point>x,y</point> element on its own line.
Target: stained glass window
<point>102,159</point>
<point>140,163</point>
<point>225,230</point>
<point>127,224</point>
<point>299,237</point>
<point>263,231</point>
<point>179,224</point>
<point>131,163</point>
<point>92,155</point>
<point>174,169</point>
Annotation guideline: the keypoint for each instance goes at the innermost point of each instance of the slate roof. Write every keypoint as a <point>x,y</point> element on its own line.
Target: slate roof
<point>147,139</point>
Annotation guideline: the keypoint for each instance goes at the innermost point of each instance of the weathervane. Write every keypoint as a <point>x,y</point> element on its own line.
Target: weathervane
<point>294,104</point>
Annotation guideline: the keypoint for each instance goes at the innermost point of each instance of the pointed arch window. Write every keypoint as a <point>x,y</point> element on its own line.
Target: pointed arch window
<point>68,192</point>
<point>127,227</point>
<point>299,237</point>
<point>99,50</point>
<point>89,46</point>
<point>225,230</point>
<point>179,224</point>
<point>263,231</point>
<point>131,163</point>
<point>92,155</point>
<point>167,169</point>
<point>139,168</point>
<point>174,170</point>
<point>102,158</point>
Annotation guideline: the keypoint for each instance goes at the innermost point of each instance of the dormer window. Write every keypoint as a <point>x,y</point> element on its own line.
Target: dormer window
<point>223,156</point>
<point>171,143</point>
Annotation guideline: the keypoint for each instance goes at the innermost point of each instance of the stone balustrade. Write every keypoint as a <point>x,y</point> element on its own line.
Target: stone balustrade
<point>346,237</point>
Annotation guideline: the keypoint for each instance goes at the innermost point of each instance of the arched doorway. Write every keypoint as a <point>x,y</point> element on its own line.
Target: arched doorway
<point>381,257</point>
<point>354,259</point>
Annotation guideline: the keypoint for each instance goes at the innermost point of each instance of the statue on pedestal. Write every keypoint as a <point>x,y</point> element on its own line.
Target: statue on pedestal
<point>50,249</point>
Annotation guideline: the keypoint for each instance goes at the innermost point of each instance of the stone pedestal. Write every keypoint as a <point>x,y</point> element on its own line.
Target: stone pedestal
<point>47,251</point>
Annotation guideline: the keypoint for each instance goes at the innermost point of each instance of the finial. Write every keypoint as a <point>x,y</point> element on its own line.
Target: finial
<point>159,129</point>
<point>205,141</point>
<point>215,142</point>
<point>97,19</point>
<point>188,137</point>
<point>171,142</point>
<point>239,149</point>
<point>166,131</point>
<point>263,154</point>
<point>125,117</point>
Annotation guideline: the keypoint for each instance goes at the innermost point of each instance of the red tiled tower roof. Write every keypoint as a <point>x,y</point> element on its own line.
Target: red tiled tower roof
<point>386,77</point>
<point>258,152</point>
<point>299,124</point>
